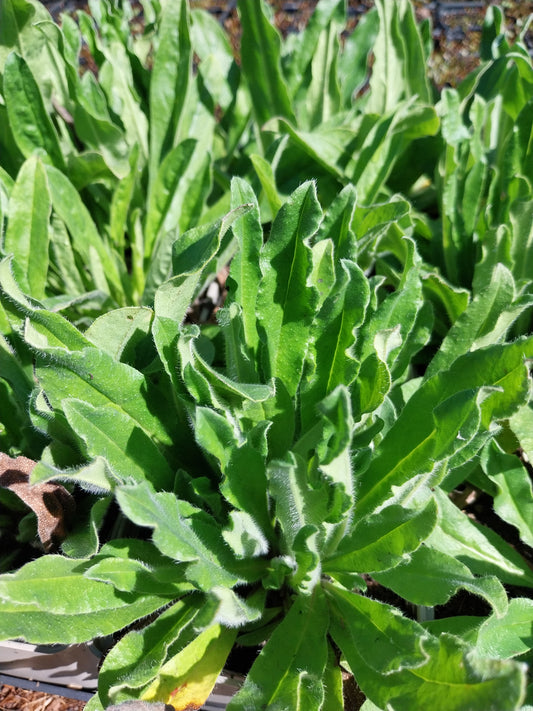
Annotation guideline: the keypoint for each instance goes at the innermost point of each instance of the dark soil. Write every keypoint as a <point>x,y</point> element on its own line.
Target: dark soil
<point>13,698</point>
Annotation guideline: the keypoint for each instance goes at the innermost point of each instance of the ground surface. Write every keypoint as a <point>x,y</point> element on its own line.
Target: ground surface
<point>14,699</point>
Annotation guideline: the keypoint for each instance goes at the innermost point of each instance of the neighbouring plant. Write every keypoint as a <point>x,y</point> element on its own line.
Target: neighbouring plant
<point>483,178</point>
<point>100,170</point>
<point>117,162</point>
<point>321,111</point>
<point>279,460</point>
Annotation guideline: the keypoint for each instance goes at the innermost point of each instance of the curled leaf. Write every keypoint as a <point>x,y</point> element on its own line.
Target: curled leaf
<point>52,503</point>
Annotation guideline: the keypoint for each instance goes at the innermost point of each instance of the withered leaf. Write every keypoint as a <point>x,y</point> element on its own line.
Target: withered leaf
<point>52,503</point>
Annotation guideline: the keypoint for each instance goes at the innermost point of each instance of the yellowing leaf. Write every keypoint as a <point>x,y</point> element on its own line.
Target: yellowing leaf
<point>187,679</point>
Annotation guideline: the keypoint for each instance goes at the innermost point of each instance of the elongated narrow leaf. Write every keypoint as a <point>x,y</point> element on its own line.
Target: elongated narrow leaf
<point>288,672</point>
<point>388,641</point>
<point>188,678</point>
<point>30,123</point>
<point>401,312</point>
<point>481,317</point>
<point>132,565</point>
<point>117,79</point>
<point>51,610</point>
<point>417,451</point>
<point>192,253</point>
<point>303,47</point>
<point>86,240</point>
<point>59,331</point>
<point>399,68</point>
<point>17,27</point>
<point>170,80</point>
<point>223,390</point>
<point>333,334</point>
<point>500,368</point>
<point>285,304</point>
<point>85,375</point>
<point>353,63</point>
<point>245,272</point>
<point>27,233</point>
<point>260,53</point>
<point>297,504</point>
<point>244,484</point>
<point>522,426</point>
<point>136,659</point>
<point>168,194</point>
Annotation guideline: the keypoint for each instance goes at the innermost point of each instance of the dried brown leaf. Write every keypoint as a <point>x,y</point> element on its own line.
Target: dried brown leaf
<point>52,503</point>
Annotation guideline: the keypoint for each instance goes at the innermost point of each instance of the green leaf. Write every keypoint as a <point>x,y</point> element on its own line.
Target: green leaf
<point>445,417</point>
<point>137,566</point>
<point>321,87</point>
<point>399,70</point>
<point>509,635</point>
<point>17,27</point>
<point>383,540</point>
<point>137,657</point>
<point>94,477</point>
<point>32,127</point>
<point>298,504</point>
<point>110,433</point>
<point>245,537</point>
<point>222,390</point>
<point>172,187</point>
<point>116,77</point>
<point>481,322</point>
<point>478,547</point>
<point>514,498</point>
<point>122,199</point>
<point>260,57</point>
<point>265,173</point>
<point>353,62</point>
<point>333,337</point>
<point>93,377</point>
<point>51,610</point>
<point>285,305</point>
<point>388,641</point>
<point>121,331</point>
<point>245,273</point>
<point>400,667</point>
<point>406,452</point>
<point>27,233</point>
<point>169,84</point>
<point>400,314</point>
<point>288,672</point>
<point>431,577</point>
<point>245,485</point>
<point>181,532</point>
<point>86,240</point>
<point>522,426</point>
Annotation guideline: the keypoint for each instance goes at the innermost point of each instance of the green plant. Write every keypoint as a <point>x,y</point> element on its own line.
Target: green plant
<point>483,177</point>
<point>312,112</point>
<point>277,461</point>
<point>101,171</point>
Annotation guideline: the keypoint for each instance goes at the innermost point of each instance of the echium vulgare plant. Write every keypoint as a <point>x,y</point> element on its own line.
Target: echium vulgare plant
<point>278,462</point>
